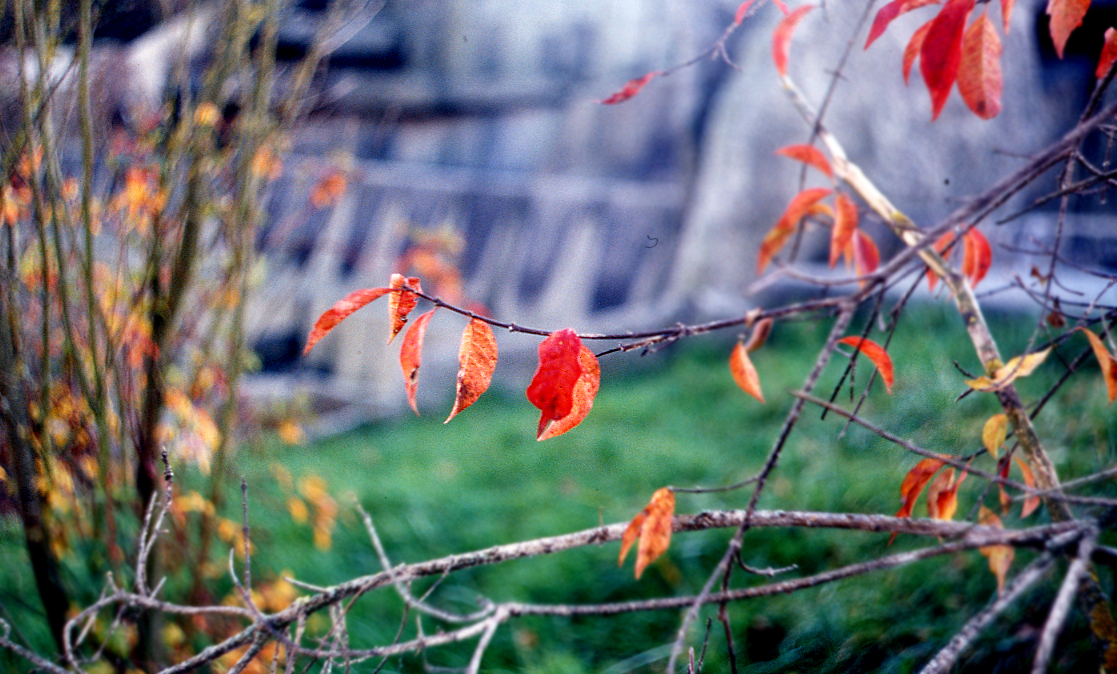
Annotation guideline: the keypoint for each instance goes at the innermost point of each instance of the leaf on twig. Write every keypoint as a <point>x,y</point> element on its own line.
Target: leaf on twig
<point>809,155</point>
<point>1000,556</point>
<point>994,432</point>
<point>552,387</point>
<point>940,247</point>
<point>1020,366</point>
<point>585,390</point>
<point>339,311</point>
<point>912,486</point>
<point>845,223</point>
<point>742,10</point>
<point>740,365</point>
<point>889,13</point>
<point>979,73</point>
<point>796,210</point>
<point>401,302</point>
<point>1066,15</point>
<point>652,526</point>
<point>977,256</point>
<point>915,45</point>
<point>1031,502</point>
<point>759,334</point>
<point>781,39</point>
<point>866,255</point>
<point>477,356</point>
<point>1107,362</point>
<point>630,89</point>
<point>1108,53</point>
<point>942,495</point>
<point>411,356</point>
<point>941,53</point>
<point>876,354</point>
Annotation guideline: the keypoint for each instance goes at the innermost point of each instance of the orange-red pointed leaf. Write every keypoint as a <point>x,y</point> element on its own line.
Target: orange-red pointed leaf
<point>401,302</point>
<point>1031,502</point>
<point>977,256</point>
<point>915,44</point>
<point>942,495</point>
<point>552,387</point>
<point>585,390</point>
<point>810,155</point>
<point>1108,53</point>
<point>875,353</point>
<point>339,311</point>
<point>1000,556</point>
<point>845,223</point>
<point>633,87</point>
<point>979,73</point>
<point>653,527</point>
<point>742,12</point>
<point>994,432</point>
<point>866,255</point>
<point>941,53</point>
<point>1006,13</point>
<point>411,356</point>
<point>888,13</point>
<point>1066,15</point>
<point>785,227</point>
<point>476,364</point>
<point>781,40</point>
<point>1107,362</point>
<point>912,486</point>
<point>740,365</point>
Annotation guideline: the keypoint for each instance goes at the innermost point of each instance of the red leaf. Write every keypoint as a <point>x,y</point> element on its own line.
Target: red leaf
<point>977,256</point>
<point>875,353</point>
<point>913,484</point>
<point>585,390</point>
<point>411,355</point>
<point>630,89</point>
<point>783,7</point>
<point>887,14</point>
<point>401,302</point>
<point>913,48</point>
<point>1006,13</point>
<point>552,387</point>
<point>1108,53</point>
<point>653,526</point>
<point>1031,502</point>
<point>941,53</point>
<point>845,224</point>
<point>476,364</point>
<point>781,40</point>
<point>742,10</point>
<point>866,256</point>
<point>777,236</point>
<point>940,248</point>
<point>808,154</point>
<point>979,74</point>
<point>339,311</point>
<point>1066,15</point>
<point>1107,362</point>
<point>740,365</point>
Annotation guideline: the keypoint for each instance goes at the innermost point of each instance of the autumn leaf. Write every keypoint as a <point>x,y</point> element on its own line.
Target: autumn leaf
<point>1066,15</point>
<point>401,302</point>
<point>888,13</point>
<point>913,484</point>
<point>740,365</point>
<point>785,226</point>
<point>942,495</point>
<point>941,53</point>
<point>585,390</point>
<point>1107,362</point>
<point>1031,502</point>
<point>994,432</point>
<point>339,311</point>
<point>1006,13</point>
<point>940,247</point>
<point>411,355</point>
<point>876,354</point>
<point>810,155</point>
<point>1000,556</point>
<point>630,89</point>
<point>915,44</point>
<point>742,10</point>
<point>845,223</point>
<point>979,73</point>
<point>652,526</point>
<point>1020,366</point>
<point>1108,53</point>
<point>977,256</point>
<point>781,40</point>
<point>552,387</point>
<point>759,334</point>
<point>866,255</point>
<point>476,363</point>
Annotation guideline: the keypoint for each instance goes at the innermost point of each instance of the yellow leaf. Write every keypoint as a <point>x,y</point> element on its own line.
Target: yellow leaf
<point>1000,556</point>
<point>994,433</point>
<point>1020,366</point>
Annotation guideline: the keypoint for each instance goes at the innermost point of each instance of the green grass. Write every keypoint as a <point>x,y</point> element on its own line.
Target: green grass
<point>482,480</point>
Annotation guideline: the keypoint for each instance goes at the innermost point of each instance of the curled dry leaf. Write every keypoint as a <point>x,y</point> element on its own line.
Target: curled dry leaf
<point>1000,556</point>
<point>759,334</point>
<point>876,354</point>
<point>809,155</point>
<point>913,484</point>
<point>740,365</point>
<point>411,356</point>
<point>652,526</point>
<point>941,53</point>
<point>977,256</point>
<point>401,302</point>
<point>339,311</point>
<point>799,206</point>
<point>942,495</point>
<point>1066,15</point>
<point>781,40</point>
<point>552,388</point>
<point>845,224</point>
<point>979,73</point>
<point>1107,362</point>
<point>1020,366</point>
<point>994,432</point>
<point>1108,53</point>
<point>630,89</point>
<point>476,363</point>
<point>585,390</point>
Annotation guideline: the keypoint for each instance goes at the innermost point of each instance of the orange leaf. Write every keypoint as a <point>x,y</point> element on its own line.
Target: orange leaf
<point>740,365</point>
<point>1031,502</point>
<point>759,334</point>
<point>979,73</point>
<point>1000,556</point>
<point>941,53</point>
<point>1108,53</point>
<point>1066,15</point>
<point>1006,500</point>
<point>887,14</point>
<point>845,223</point>
<point>913,484</point>
<point>994,432</point>
<point>778,235</point>
<point>977,256</point>
<point>866,256</point>
<point>742,10</point>
<point>411,355</point>
<point>913,48</point>
<point>1006,13</point>
<point>653,527</point>
<point>476,364</point>
<point>585,390</point>
<point>942,495</point>
<point>1107,362</point>
<point>940,248</point>
<point>875,353</point>
<point>630,89</point>
<point>552,387</point>
<point>339,311</point>
<point>401,302</point>
<point>781,40</point>
<point>810,155</point>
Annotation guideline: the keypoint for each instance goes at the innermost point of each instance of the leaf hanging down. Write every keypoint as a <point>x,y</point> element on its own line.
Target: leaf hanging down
<point>994,432</point>
<point>411,356</point>
<point>401,302</point>
<point>585,390</point>
<point>979,73</point>
<point>941,53</point>
<point>876,354</point>
<point>1031,502</point>
<point>915,44</point>
<point>977,256</point>
<point>889,13</point>
<point>1107,362</point>
<point>810,155</point>
<point>940,247</point>
<point>339,311</point>
<point>742,11</point>
<point>1020,366</point>
<point>781,40</point>
<point>866,255</point>
<point>740,365</point>
<point>845,223</point>
<point>759,334</point>
<point>476,363</point>
<point>1108,53</point>
<point>912,486</point>
<point>552,387</point>
<point>652,526</point>
<point>630,89</point>
<point>1000,556</point>
<point>1066,15</point>
<point>776,237</point>
<point>942,495</point>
